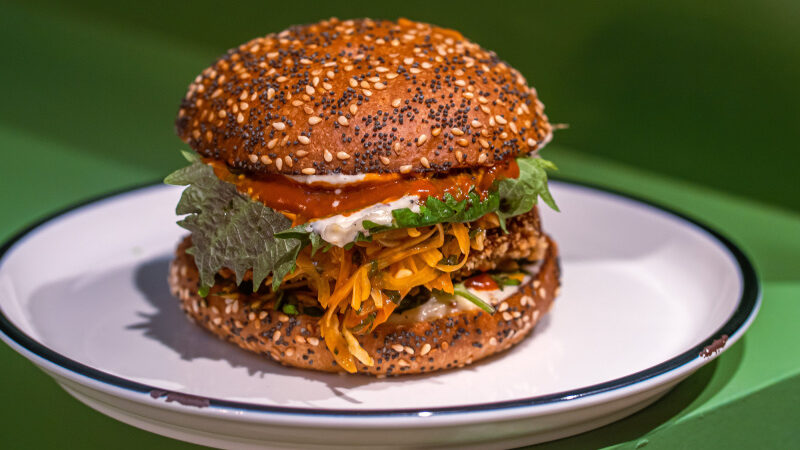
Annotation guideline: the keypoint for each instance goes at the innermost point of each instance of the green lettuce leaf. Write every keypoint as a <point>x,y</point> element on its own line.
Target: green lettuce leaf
<point>514,196</point>
<point>231,230</point>
<point>518,195</point>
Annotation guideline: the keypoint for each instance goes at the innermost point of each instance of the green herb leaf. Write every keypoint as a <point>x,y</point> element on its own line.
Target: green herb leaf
<point>231,230</point>
<point>290,309</point>
<point>461,291</point>
<point>520,194</point>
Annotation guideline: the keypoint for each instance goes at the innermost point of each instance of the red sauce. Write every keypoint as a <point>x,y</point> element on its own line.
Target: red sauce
<point>482,282</point>
<point>313,201</point>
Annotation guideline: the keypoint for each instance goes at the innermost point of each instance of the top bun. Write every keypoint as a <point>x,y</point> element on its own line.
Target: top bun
<point>361,96</point>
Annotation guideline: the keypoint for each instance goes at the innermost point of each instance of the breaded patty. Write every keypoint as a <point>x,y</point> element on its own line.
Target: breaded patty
<point>523,240</point>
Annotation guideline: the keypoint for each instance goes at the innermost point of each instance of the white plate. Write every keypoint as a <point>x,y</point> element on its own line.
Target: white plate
<point>83,295</point>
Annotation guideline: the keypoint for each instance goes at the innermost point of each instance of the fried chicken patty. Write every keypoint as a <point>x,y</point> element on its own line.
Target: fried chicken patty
<point>523,240</point>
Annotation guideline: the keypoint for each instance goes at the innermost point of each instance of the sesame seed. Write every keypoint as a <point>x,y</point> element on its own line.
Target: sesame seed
<point>301,153</point>
<point>403,363</point>
<point>391,76</point>
<point>542,292</point>
<point>507,316</point>
<point>459,156</point>
<point>414,70</point>
<point>379,86</point>
<point>482,158</point>
<point>253,159</point>
<point>396,102</point>
<point>500,119</point>
<point>309,89</point>
<point>462,142</point>
<point>503,307</point>
<point>421,139</point>
<point>342,155</point>
<point>422,160</point>
<point>309,171</point>
<point>265,160</point>
<point>328,156</point>
<point>353,109</point>
<point>403,273</point>
<point>278,163</point>
<point>381,69</point>
<point>343,121</point>
<point>516,314</point>
<point>300,340</point>
<point>308,110</point>
<point>327,86</point>
<point>476,123</point>
<point>304,139</point>
<point>297,102</point>
<point>280,126</point>
<point>484,143</point>
<point>276,336</point>
<point>313,120</point>
<point>445,345</point>
<point>426,65</point>
<point>405,169</point>
<point>289,352</point>
<point>482,100</point>
<point>425,349</point>
<point>457,131</point>
<point>313,341</point>
<point>367,92</point>
<point>240,118</point>
<point>353,82</point>
<point>385,160</point>
<point>493,341</point>
<point>435,132</point>
<point>271,143</point>
<point>398,348</point>
<point>409,350</point>
<point>531,142</point>
<point>468,95</point>
<point>461,83</point>
<point>513,127</point>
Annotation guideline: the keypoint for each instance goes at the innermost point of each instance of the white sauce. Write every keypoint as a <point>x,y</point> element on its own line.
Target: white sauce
<point>341,229</point>
<point>331,180</point>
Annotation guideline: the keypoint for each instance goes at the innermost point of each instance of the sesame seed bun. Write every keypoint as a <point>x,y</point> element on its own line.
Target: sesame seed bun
<point>455,340</point>
<point>361,96</point>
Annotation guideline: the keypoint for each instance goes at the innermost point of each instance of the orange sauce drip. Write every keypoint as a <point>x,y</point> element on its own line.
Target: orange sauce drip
<point>306,202</point>
<point>482,282</point>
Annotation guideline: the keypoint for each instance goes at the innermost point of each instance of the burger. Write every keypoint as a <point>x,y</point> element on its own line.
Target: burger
<point>362,197</point>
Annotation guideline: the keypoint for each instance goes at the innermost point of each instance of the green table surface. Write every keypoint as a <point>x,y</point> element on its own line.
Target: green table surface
<point>89,91</point>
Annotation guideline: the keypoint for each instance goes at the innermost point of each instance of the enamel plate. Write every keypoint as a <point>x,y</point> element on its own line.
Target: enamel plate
<point>646,293</point>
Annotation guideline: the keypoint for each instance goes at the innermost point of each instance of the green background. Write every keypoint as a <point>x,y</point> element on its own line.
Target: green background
<point>692,104</point>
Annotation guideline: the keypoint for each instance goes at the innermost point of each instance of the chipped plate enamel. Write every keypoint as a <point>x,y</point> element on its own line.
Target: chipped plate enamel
<point>644,292</point>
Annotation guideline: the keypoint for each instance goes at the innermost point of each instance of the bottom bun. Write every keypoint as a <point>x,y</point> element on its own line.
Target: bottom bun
<point>458,339</point>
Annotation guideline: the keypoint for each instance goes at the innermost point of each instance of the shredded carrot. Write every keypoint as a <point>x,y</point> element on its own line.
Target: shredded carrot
<point>350,284</point>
